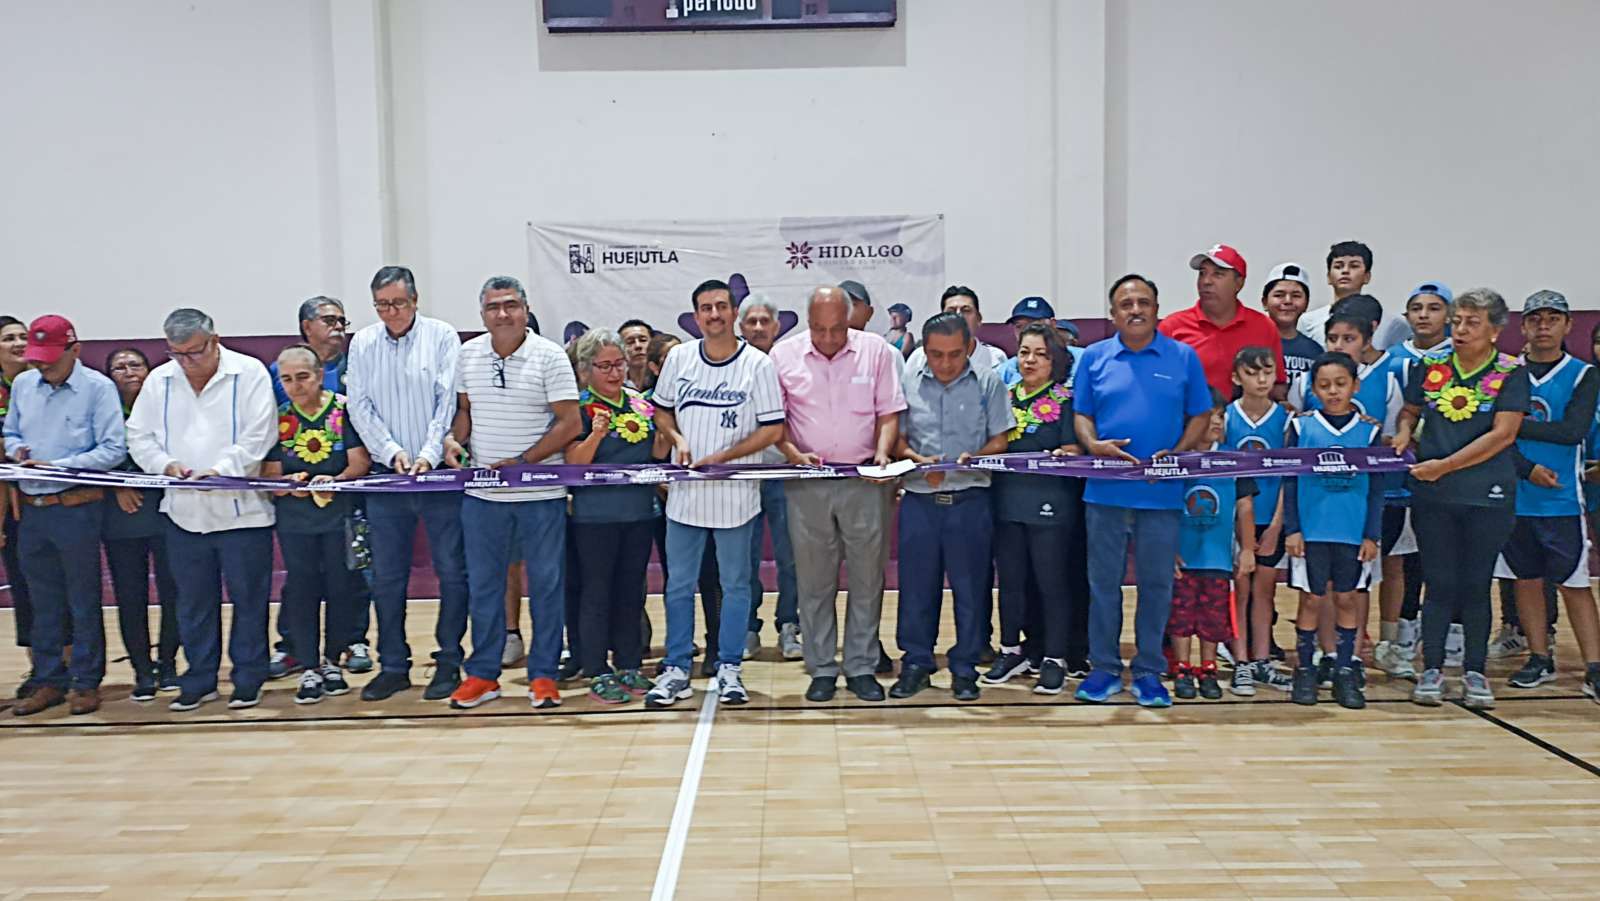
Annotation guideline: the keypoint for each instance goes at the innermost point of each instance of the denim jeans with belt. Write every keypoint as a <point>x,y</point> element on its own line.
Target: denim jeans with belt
<point>1153,536</point>
<point>685,546</point>
<point>497,534</point>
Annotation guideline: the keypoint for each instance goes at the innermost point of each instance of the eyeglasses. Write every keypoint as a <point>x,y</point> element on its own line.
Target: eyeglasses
<point>384,306</point>
<point>332,321</point>
<point>612,366</point>
<point>189,356</point>
<point>498,364</point>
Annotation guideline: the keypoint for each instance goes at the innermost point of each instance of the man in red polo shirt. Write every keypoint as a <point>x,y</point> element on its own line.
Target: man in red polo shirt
<point>1218,325</point>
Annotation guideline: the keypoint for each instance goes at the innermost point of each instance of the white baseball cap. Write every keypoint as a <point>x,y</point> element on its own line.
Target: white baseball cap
<point>1293,272</point>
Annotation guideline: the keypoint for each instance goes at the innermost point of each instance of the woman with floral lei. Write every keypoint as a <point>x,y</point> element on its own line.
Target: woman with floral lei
<point>1032,516</point>
<point>1463,408</point>
<point>316,446</point>
<point>612,525</point>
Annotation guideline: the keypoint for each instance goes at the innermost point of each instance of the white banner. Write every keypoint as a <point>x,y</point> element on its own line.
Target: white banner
<point>586,275</point>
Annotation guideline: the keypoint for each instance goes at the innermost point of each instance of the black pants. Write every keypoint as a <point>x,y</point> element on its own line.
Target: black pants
<point>1411,603</point>
<point>316,570</point>
<point>129,562</point>
<point>612,557</point>
<point>1458,545</point>
<point>21,600</point>
<point>710,583</point>
<point>1036,551</point>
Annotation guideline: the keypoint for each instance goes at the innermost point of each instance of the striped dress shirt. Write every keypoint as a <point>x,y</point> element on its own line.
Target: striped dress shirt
<point>402,390</point>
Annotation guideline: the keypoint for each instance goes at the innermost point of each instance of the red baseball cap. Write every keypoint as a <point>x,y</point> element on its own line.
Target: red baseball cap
<point>48,339</point>
<point>1223,256</point>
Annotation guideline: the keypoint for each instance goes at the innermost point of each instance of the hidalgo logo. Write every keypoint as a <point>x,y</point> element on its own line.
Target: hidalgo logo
<point>803,253</point>
<point>799,254</point>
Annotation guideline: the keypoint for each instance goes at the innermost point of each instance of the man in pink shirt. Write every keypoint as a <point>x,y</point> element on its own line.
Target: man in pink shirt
<point>842,400</point>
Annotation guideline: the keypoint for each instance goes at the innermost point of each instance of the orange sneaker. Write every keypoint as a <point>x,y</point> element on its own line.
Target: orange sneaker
<point>543,694</point>
<point>473,692</point>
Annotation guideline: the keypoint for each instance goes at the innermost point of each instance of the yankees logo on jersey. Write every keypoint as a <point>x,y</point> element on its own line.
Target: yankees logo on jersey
<point>717,405</point>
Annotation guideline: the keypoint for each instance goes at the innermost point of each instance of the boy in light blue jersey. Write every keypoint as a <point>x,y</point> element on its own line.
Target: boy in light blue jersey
<point>1255,422</point>
<point>1331,518</point>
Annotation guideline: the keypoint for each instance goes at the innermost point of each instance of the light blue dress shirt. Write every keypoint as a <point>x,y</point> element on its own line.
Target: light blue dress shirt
<point>78,424</point>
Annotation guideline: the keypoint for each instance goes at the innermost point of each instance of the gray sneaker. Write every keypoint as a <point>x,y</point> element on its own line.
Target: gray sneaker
<point>789,641</point>
<point>752,644</point>
<point>1269,675</point>
<point>671,687</point>
<point>1430,689</point>
<point>1475,691</point>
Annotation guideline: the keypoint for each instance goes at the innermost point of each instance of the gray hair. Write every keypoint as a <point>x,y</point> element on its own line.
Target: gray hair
<point>588,347</point>
<point>314,361</point>
<point>502,283</point>
<point>186,322</point>
<point>757,301</point>
<point>1489,301</point>
<point>310,306</point>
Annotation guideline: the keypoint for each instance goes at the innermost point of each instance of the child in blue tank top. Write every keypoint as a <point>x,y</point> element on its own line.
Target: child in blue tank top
<point>1331,519</point>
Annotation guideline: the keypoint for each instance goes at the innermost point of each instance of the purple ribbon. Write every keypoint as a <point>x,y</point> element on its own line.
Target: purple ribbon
<point>1200,464</point>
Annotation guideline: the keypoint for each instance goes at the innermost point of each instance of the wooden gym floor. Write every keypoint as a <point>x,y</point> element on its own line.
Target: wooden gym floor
<point>1015,797</point>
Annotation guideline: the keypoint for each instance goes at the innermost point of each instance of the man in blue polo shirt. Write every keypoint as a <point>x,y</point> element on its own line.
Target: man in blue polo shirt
<point>1139,394</point>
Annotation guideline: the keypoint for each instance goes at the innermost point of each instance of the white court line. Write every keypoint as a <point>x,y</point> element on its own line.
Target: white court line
<point>678,834</point>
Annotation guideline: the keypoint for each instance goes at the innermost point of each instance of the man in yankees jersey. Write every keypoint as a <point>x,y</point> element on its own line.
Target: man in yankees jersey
<point>717,401</point>
<point>1548,541</point>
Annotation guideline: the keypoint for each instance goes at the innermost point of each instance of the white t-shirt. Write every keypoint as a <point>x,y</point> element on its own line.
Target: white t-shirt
<point>511,414</point>
<point>716,406</point>
<point>1391,331</point>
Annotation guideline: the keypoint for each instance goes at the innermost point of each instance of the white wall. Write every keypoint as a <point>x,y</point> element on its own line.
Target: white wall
<point>241,155</point>
<point>1456,137</point>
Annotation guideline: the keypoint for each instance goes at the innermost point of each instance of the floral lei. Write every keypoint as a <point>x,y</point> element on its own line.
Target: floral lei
<point>1047,406</point>
<point>632,425</point>
<point>1457,402</point>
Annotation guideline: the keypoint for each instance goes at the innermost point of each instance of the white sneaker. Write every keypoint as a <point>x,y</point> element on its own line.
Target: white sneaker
<point>730,687</point>
<point>1455,647</point>
<point>1394,658</point>
<point>1408,634</point>
<point>752,644</point>
<point>1509,643</point>
<point>789,642</point>
<point>671,687</point>
<point>1475,691</point>
<point>515,650</point>
<point>1430,689</point>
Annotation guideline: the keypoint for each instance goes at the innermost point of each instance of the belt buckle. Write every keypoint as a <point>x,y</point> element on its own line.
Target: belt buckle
<point>945,498</point>
<point>38,500</point>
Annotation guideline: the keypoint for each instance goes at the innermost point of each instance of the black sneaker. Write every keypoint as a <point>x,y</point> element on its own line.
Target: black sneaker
<point>244,697</point>
<point>1347,690</point>
<point>1210,688</point>
<point>1591,685</point>
<point>1276,654</point>
<point>445,681</point>
<point>885,665</point>
<point>167,678</point>
<point>987,655</point>
<point>912,679</point>
<point>1325,671</point>
<point>190,701</point>
<point>385,685</point>
<point>1183,686</point>
<point>708,668</point>
<point>144,686</point>
<point>964,688</point>
<point>1005,667</point>
<point>1078,669</point>
<point>310,691</point>
<point>1052,678</point>
<point>1305,686</point>
<point>333,682</point>
<point>865,688</point>
<point>570,668</point>
<point>1536,672</point>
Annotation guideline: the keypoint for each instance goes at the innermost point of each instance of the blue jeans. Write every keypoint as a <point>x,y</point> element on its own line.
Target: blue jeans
<point>685,546</point>
<point>1154,537</point>
<point>201,563</point>
<point>60,549</point>
<point>944,535</point>
<point>496,533</point>
<point>392,520</point>
<point>775,510</point>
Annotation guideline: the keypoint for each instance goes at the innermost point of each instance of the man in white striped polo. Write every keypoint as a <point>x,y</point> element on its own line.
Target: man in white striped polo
<point>717,401</point>
<point>516,403</point>
<point>402,396</point>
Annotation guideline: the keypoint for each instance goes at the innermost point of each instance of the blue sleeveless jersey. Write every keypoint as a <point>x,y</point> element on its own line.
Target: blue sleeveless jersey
<point>1548,403</point>
<point>1205,533</point>
<point>1378,397</point>
<point>1241,434</point>
<point>1333,498</point>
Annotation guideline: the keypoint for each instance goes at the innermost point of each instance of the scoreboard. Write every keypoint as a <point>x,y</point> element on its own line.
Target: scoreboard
<point>708,15</point>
